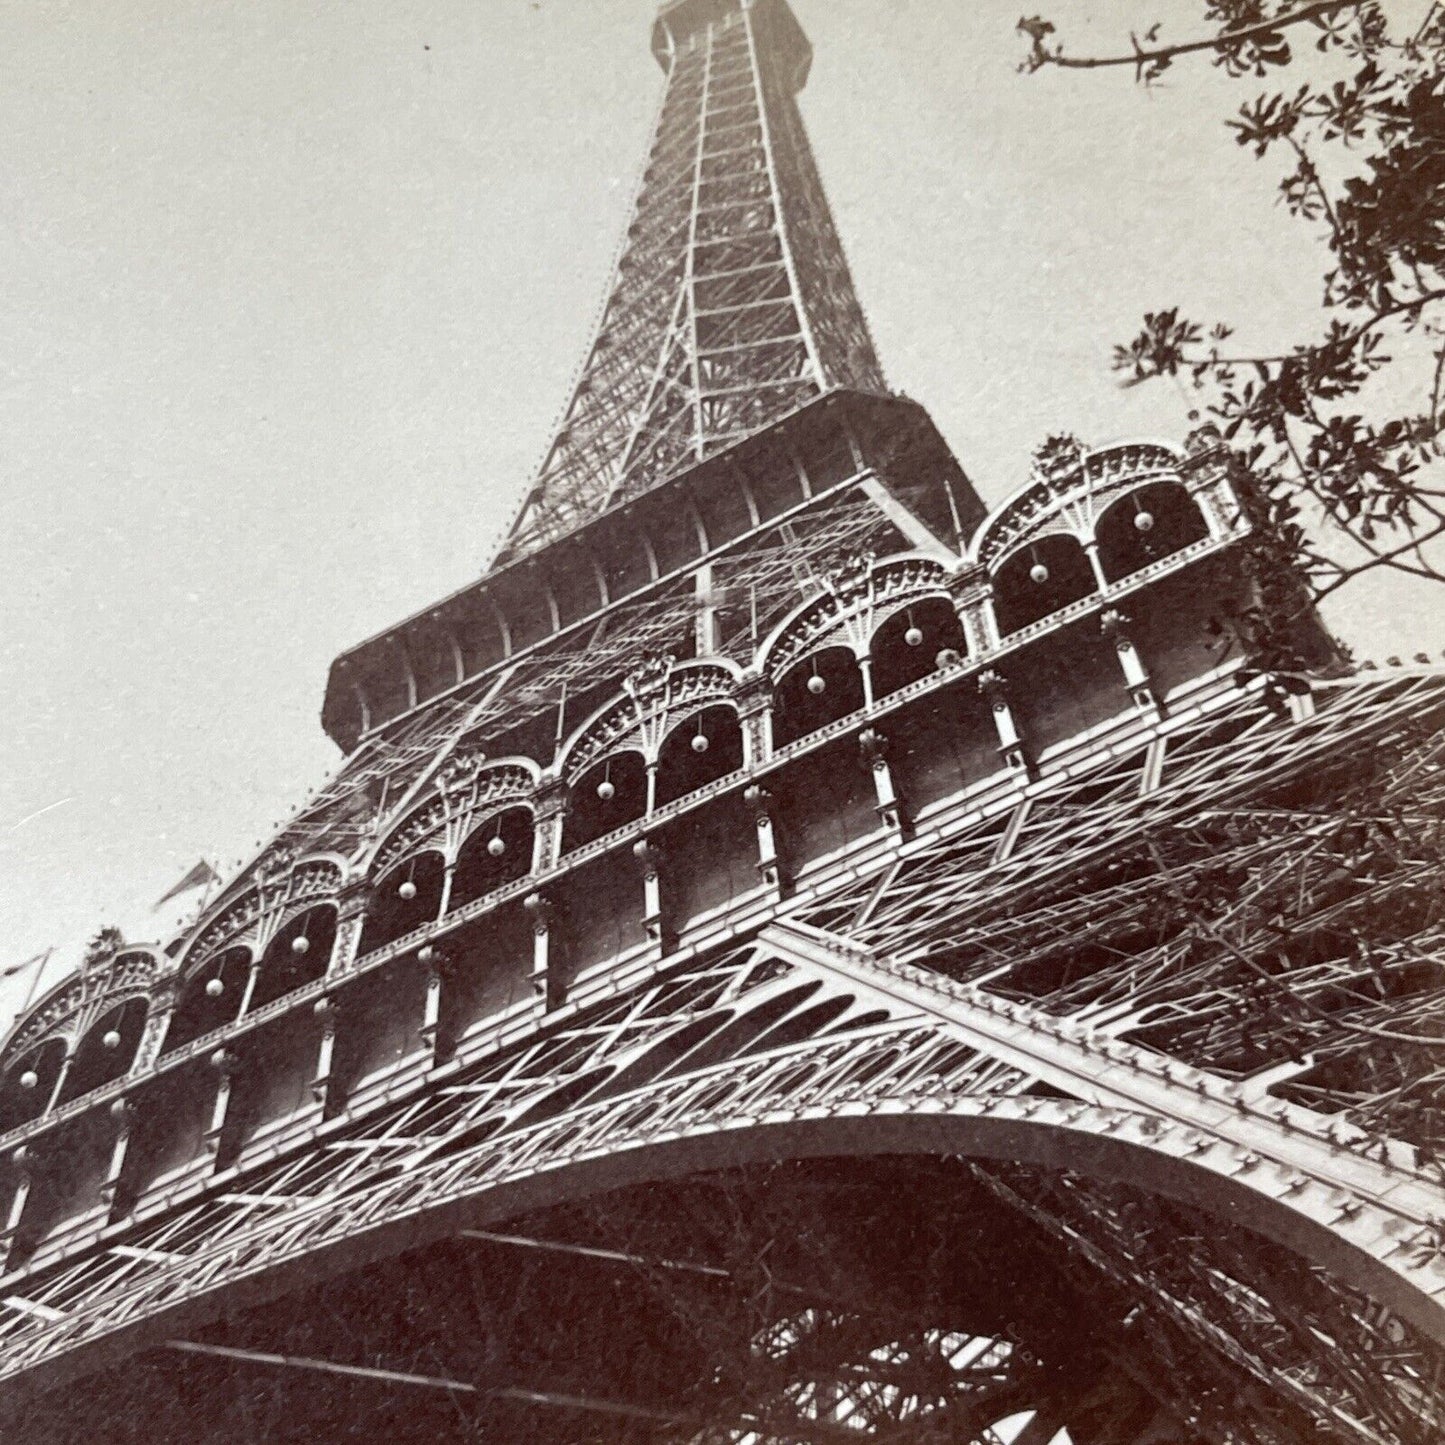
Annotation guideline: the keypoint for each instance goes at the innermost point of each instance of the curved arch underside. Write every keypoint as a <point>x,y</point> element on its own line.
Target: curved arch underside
<point>895,1297</point>
<point>814,1072</point>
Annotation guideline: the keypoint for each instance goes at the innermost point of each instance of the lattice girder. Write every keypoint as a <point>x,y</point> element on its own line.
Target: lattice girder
<point>886,1089</point>
<point>1244,936</point>
<point>1343,1203</point>
<point>716,1309</point>
<point>880,1052</point>
<point>731,305</point>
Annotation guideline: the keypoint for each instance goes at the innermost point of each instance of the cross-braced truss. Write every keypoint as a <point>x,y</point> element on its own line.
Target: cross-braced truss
<point>1138,990</point>
<point>762,580</point>
<point>1277,923</point>
<point>731,305</point>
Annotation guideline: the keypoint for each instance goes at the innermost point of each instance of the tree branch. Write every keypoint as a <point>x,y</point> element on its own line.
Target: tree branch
<point>1435,397</point>
<point>1040,56</point>
<point>1209,362</point>
<point>1389,558</point>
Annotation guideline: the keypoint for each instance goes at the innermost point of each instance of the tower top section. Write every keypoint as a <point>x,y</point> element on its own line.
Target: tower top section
<point>731,305</point>
<point>680,24</point>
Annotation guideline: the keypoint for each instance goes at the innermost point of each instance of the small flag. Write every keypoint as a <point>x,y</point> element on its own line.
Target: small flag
<point>11,970</point>
<point>201,875</point>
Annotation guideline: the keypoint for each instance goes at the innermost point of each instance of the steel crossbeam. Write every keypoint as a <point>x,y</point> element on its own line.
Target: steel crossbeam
<point>736,1107</point>
<point>1344,1203</point>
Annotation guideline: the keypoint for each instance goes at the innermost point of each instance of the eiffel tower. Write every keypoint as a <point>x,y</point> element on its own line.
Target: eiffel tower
<point>789,955</point>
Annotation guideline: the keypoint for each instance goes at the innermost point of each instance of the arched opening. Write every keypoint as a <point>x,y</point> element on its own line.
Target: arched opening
<point>1039,579</point>
<point>210,998</point>
<point>28,1084</point>
<point>407,897</point>
<point>907,646</point>
<point>815,692</point>
<point>977,1320</point>
<point>298,955</point>
<point>1151,523</point>
<point>498,851</point>
<point>699,751</point>
<point>607,796</point>
<point>107,1050</point>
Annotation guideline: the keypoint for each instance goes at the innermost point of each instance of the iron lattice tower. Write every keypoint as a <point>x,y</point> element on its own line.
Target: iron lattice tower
<point>788,956</point>
<point>731,305</point>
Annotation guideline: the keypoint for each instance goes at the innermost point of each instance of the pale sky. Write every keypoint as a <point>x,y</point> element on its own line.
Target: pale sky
<point>292,295</point>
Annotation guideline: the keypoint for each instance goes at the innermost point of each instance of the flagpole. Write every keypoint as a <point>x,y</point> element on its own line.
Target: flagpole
<point>201,875</point>
<point>34,980</point>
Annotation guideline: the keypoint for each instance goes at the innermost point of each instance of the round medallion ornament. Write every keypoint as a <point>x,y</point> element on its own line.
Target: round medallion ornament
<point>407,891</point>
<point>816,685</point>
<point>496,847</point>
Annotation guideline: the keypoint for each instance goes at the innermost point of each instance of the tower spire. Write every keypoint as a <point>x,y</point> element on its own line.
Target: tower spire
<point>731,304</point>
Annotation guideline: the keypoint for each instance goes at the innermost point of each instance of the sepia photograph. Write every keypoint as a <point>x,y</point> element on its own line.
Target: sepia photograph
<point>726,722</point>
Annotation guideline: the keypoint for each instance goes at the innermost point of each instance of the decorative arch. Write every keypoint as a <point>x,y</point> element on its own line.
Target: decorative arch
<point>210,997</point>
<point>850,608</point>
<point>662,1133</point>
<point>818,690</point>
<point>297,954</point>
<point>71,1008</point>
<point>1070,486</point>
<point>654,697</point>
<point>29,1082</point>
<point>285,883</point>
<point>910,640</point>
<point>469,787</point>
<point>610,795</point>
<point>811,624</point>
<point>107,1049</point>
<point>700,749</point>
<point>407,897</point>
<point>496,851</point>
<point>1040,579</point>
<point>1145,524</point>
<point>318,875</point>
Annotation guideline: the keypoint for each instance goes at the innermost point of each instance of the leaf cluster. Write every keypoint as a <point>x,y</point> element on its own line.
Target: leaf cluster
<point>1347,477</point>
